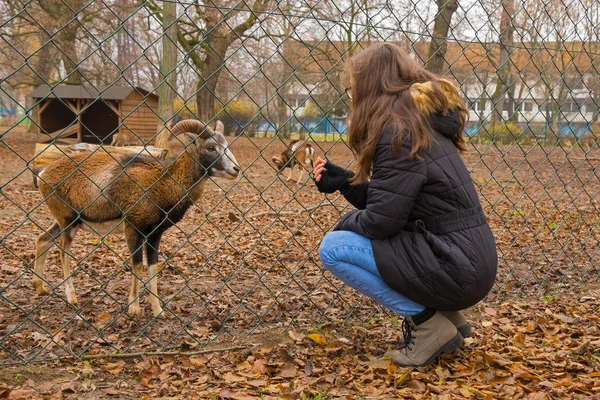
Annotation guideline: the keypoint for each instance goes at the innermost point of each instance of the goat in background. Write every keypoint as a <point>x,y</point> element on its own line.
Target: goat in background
<point>124,139</point>
<point>297,153</point>
<point>139,195</point>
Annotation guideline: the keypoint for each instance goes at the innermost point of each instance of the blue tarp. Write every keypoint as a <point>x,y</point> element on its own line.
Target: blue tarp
<point>577,129</point>
<point>332,125</point>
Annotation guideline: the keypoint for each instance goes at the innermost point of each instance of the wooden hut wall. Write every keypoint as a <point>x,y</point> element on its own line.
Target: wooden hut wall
<point>140,118</point>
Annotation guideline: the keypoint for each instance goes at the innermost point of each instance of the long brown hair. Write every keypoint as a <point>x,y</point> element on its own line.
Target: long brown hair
<point>389,90</point>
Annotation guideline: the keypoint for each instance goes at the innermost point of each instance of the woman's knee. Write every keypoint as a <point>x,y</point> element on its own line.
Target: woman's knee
<point>334,242</point>
<point>329,245</point>
<point>327,249</point>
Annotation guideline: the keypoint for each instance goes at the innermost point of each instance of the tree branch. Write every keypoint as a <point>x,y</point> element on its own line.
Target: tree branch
<point>189,51</point>
<point>238,31</point>
<point>160,353</point>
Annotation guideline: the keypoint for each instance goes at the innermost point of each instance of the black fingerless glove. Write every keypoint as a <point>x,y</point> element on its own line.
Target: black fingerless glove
<point>334,178</point>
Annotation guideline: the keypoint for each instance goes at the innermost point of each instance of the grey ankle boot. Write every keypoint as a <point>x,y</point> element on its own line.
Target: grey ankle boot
<point>459,321</point>
<point>424,342</point>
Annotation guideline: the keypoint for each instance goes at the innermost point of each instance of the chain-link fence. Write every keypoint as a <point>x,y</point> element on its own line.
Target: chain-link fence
<point>241,256</point>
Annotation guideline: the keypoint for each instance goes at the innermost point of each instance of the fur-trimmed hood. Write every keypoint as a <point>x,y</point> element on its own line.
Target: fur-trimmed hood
<point>447,124</point>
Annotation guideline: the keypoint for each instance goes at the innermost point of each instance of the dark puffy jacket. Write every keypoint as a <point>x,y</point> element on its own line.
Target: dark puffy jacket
<point>430,238</point>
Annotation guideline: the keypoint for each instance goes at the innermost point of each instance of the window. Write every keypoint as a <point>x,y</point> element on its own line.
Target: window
<point>571,106</point>
<point>506,106</point>
<point>475,105</point>
<point>527,106</point>
<point>297,102</point>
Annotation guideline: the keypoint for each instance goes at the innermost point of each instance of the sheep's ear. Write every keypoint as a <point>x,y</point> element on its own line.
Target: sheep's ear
<point>220,127</point>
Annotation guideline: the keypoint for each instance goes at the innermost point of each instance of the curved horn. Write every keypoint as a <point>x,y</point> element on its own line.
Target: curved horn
<point>192,126</point>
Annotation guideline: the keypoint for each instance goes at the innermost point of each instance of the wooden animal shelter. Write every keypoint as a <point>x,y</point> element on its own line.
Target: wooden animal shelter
<point>82,113</point>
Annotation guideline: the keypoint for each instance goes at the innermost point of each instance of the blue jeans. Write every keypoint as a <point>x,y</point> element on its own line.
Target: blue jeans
<point>349,256</point>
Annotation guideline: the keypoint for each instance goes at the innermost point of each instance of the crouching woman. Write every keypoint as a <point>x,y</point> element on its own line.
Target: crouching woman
<point>418,242</point>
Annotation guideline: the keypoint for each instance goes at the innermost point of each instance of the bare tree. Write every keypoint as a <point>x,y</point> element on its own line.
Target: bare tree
<point>505,79</point>
<point>29,45</point>
<point>64,18</point>
<point>126,29</point>
<point>205,38</point>
<point>436,57</point>
<point>166,91</point>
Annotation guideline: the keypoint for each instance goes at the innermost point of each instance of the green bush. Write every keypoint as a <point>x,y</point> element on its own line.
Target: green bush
<point>502,134</point>
<point>187,110</point>
<point>237,116</point>
<point>313,110</point>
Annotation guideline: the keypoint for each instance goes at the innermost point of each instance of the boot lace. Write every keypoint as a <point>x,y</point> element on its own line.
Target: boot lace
<point>407,333</point>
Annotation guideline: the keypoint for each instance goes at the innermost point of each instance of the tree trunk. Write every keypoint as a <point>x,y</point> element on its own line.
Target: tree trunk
<point>168,76</point>
<point>209,77</point>
<point>122,41</point>
<point>67,43</point>
<point>595,87</point>
<point>43,64</point>
<point>513,114</point>
<point>438,46</point>
<point>482,102</point>
<point>503,69</point>
<point>217,36</point>
<point>42,72</point>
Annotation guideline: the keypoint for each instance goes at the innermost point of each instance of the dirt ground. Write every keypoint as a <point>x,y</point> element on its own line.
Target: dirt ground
<point>244,264</point>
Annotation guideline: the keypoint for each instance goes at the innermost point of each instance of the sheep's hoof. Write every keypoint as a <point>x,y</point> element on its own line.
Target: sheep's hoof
<point>71,298</point>
<point>158,313</point>
<point>41,289</point>
<point>135,310</point>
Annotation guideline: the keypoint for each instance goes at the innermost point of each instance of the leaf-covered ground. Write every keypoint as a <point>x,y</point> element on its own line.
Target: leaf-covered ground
<point>530,348</point>
<point>242,269</point>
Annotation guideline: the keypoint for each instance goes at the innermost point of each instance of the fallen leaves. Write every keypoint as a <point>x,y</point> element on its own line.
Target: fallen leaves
<point>114,368</point>
<point>317,338</point>
<point>288,370</point>
<point>516,356</point>
<point>230,377</point>
<point>103,319</point>
<point>295,336</point>
<point>235,395</point>
<point>490,311</point>
<point>233,276</point>
<point>22,394</point>
<point>259,366</point>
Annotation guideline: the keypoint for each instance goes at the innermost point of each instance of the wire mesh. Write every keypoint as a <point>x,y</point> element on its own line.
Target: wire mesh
<point>244,256</point>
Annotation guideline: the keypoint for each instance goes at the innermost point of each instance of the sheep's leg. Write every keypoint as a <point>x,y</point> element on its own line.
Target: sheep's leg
<point>65,250</point>
<point>153,268</point>
<point>44,242</point>
<point>134,242</point>
<point>301,174</point>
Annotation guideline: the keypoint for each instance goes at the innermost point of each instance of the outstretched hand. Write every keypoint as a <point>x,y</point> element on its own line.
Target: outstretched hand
<point>318,168</point>
<point>330,177</point>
